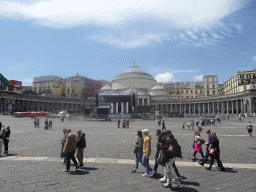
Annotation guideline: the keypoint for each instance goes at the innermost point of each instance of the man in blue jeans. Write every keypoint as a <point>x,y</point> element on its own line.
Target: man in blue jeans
<point>146,153</point>
<point>208,132</point>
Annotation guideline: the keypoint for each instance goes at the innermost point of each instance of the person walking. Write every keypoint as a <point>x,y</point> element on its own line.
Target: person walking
<point>127,123</point>
<point>124,124</point>
<point>35,123</point>
<point>46,124</point>
<point>163,126</point>
<point>138,150</point>
<point>249,128</point>
<point>146,153</point>
<point>50,124</point>
<point>118,123</point>
<point>80,145</point>
<point>158,145</point>
<point>70,149</point>
<point>6,139</point>
<point>188,125</point>
<point>62,146</point>
<point>197,122</point>
<point>198,147</point>
<point>208,132</point>
<point>168,150</point>
<point>214,151</point>
<point>159,122</point>
<point>192,124</point>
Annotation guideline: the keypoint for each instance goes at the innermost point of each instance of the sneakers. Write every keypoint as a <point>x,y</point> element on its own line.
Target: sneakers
<point>145,175</point>
<point>208,168</point>
<point>65,170</point>
<point>180,179</point>
<point>178,183</point>
<point>63,163</point>
<point>193,160</point>
<point>201,163</point>
<point>81,165</point>
<point>77,166</point>
<point>223,169</point>
<point>167,185</point>
<point>163,180</point>
<point>151,173</point>
<point>133,171</point>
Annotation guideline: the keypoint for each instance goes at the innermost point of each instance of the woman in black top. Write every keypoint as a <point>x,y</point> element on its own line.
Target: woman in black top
<point>216,155</point>
<point>138,150</point>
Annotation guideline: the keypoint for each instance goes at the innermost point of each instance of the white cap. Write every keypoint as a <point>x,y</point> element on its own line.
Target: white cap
<point>145,130</point>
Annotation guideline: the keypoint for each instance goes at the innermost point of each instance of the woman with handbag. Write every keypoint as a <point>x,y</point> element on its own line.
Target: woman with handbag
<point>198,142</point>
<point>138,150</point>
<point>214,151</point>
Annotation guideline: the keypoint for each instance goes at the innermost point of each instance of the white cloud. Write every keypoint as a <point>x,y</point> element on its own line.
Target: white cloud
<point>254,58</point>
<point>164,77</point>
<point>199,77</point>
<point>184,71</point>
<point>183,19</point>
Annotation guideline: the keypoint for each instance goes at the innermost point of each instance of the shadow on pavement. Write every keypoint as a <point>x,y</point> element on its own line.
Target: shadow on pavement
<point>183,189</point>
<point>252,148</point>
<point>230,170</point>
<point>79,172</point>
<point>89,168</point>
<point>9,154</point>
<point>190,183</point>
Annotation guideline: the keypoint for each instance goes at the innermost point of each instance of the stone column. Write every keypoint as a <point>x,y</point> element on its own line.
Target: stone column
<point>237,111</point>
<point>122,107</point>
<point>213,108</point>
<point>171,108</point>
<point>112,108</point>
<point>162,109</point>
<point>208,108</point>
<point>194,108</point>
<point>143,104</point>
<point>232,105</point>
<point>203,109</point>
<point>127,107</point>
<point>242,108</point>
<point>189,109</point>
<point>116,107</point>
<point>222,108</point>
<point>227,108</point>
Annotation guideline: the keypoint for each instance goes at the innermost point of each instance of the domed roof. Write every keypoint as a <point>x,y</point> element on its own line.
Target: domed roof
<point>132,71</point>
<point>158,88</point>
<point>106,87</point>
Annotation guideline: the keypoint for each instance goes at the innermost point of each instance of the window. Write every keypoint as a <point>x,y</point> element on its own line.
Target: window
<point>207,92</point>
<point>201,91</point>
<point>187,96</point>
<point>213,86</point>
<point>186,91</point>
<point>191,91</point>
<point>213,92</point>
<point>196,91</point>
<point>241,76</point>
<point>181,91</point>
<point>178,92</point>
<point>207,86</point>
<point>181,96</point>
<point>212,79</point>
<point>191,96</point>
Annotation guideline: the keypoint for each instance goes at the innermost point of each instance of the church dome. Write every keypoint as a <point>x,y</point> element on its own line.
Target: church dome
<point>158,90</point>
<point>133,78</point>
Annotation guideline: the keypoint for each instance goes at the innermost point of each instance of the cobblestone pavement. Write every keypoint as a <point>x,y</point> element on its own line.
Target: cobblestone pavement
<point>20,172</point>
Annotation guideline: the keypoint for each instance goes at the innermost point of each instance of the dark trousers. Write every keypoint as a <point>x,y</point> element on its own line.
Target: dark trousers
<point>6,142</point>
<point>70,155</point>
<point>217,157</point>
<point>195,152</point>
<point>176,169</point>
<point>156,164</point>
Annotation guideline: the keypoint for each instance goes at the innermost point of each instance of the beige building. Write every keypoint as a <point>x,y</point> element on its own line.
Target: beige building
<point>239,82</point>
<point>49,85</point>
<point>210,85</point>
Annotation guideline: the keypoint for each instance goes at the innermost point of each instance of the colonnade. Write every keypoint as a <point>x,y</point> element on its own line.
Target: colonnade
<point>233,106</point>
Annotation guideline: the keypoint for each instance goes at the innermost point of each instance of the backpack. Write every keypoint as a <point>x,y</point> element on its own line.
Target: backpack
<point>177,148</point>
<point>161,159</point>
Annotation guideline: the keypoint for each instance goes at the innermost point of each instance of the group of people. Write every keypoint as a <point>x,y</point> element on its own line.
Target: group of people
<point>165,143</point>
<point>203,122</point>
<point>71,144</point>
<point>125,123</point>
<point>160,122</point>
<point>212,148</point>
<point>48,125</point>
<point>36,123</point>
<point>5,132</point>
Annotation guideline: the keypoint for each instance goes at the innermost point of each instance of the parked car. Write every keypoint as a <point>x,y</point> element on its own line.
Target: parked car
<point>220,117</point>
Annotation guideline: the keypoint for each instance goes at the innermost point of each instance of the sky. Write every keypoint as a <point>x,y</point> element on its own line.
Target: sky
<point>173,40</point>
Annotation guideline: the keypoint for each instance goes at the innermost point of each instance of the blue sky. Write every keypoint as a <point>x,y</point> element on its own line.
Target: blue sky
<point>173,40</point>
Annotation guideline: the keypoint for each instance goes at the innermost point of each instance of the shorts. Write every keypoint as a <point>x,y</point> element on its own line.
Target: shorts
<point>249,130</point>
